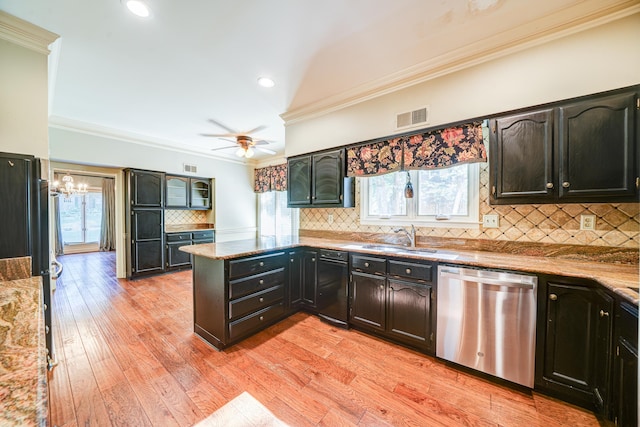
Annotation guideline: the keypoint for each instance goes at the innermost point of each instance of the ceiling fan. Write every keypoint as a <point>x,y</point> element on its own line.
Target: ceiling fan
<point>245,143</point>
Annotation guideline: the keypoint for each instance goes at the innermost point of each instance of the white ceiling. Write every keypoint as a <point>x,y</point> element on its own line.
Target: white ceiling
<point>161,79</point>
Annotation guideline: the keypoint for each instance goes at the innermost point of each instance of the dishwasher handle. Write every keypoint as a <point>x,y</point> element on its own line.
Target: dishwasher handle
<point>485,280</point>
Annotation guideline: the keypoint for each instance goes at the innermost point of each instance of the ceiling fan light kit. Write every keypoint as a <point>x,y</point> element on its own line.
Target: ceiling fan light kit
<point>245,144</point>
<point>266,81</point>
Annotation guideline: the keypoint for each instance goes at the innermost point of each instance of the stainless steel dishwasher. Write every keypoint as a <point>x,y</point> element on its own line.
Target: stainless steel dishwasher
<point>487,321</point>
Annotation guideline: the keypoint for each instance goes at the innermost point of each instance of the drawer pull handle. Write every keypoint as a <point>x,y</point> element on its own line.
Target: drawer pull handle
<point>366,264</point>
<point>604,313</point>
<point>261,318</point>
<point>261,299</point>
<point>408,271</point>
<point>261,264</point>
<point>553,297</point>
<point>261,282</point>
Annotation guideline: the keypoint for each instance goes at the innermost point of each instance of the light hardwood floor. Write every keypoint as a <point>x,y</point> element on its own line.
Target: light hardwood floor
<point>128,357</point>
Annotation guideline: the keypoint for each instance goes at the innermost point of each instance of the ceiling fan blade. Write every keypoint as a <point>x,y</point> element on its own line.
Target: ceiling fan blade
<point>223,148</point>
<point>260,142</point>
<point>228,140</point>
<point>218,135</point>
<point>257,129</point>
<point>228,129</point>
<point>265,150</point>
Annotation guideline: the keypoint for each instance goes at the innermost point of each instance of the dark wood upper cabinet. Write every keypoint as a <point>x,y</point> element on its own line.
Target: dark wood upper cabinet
<point>183,192</point>
<point>598,143</point>
<point>200,193</point>
<point>318,180</point>
<point>583,150</point>
<point>146,189</point>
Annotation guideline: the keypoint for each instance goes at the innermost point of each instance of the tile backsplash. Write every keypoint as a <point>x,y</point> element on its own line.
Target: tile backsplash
<point>184,217</point>
<point>617,224</point>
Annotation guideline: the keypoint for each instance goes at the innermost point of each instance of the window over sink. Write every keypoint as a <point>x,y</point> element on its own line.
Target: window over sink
<point>446,197</point>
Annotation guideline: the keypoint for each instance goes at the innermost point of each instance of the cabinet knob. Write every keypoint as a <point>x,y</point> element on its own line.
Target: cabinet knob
<point>261,299</point>
<point>566,184</point>
<point>604,313</point>
<point>381,286</point>
<point>261,318</point>
<point>46,329</point>
<point>408,271</point>
<point>261,282</point>
<point>313,260</point>
<point>45,307</point>
<point>261,264</point>
<point>291,259</point>
<point>553,297</point>
<point>366,264</point>
<point>549,185</point>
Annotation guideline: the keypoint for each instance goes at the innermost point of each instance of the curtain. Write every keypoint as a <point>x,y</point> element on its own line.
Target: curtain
<point>429,150</point>
<point>270,178</point>
<point>57,230</point>
<point>107,232</point>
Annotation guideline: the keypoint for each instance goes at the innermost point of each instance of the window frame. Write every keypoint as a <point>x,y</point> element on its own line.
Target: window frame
<point>470,221</point>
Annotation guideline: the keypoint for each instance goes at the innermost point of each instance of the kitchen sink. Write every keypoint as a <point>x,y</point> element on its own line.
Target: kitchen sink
<point>402,250</point>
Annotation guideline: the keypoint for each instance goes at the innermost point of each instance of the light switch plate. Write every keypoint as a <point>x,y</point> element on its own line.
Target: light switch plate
<point>490,221</point>
<point>330,218</point>
<point>587,222</point>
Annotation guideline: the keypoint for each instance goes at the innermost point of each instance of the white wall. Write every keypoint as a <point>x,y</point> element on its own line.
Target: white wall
<point>23,100</point>
<point>595,60</point>
<point>235,202</point>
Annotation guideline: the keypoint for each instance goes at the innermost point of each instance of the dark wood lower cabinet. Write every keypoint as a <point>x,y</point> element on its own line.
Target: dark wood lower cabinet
<point>625,369</point>
<point>575,350</point>
<point>309,278</point>
<point>410,316</point>
<point>368,301</point>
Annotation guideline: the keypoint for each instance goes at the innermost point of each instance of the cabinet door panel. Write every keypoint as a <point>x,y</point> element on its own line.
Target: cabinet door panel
<point>597,142</point>
<point>177,195</point>
<point>147,189</point>
<point>310,278</point>
<point>147,224</point>
<point>295,280</point>
<point>299,181</point>
<point>523,149</point>
<point>409,315</point>
<point>14,213</point>
<point>148,256</point>
<point>367,296</point>
<point>327,178</point>
<point>177,258</point>
<point>200,197</point>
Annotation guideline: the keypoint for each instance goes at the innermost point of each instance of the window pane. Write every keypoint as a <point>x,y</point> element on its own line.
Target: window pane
<point>444,191</point>
<point>284,215</point>
<point>267,213</point>
<point>71,218</point>
<point>93,216</point>
<point>386,194</point>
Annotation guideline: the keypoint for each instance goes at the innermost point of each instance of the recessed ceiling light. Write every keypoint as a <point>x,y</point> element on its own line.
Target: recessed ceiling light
<point>266,82</point>
<point>138,8</point>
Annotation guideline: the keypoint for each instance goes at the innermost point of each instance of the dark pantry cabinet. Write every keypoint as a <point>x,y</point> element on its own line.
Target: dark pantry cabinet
<point>145,222</point>
<point>318,180</point>
<point>579,150</point>
<point>575,338</point>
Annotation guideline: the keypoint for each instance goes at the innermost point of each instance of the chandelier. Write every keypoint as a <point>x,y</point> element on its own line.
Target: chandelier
<point>67,188</point>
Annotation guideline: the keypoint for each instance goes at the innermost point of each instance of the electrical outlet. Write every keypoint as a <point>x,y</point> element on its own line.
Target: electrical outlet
<point>490,221</point>
<point>330,218</point>
<point>587,222</point>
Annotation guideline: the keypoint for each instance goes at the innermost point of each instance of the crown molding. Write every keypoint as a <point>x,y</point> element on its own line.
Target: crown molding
<point>93,129</point>
<point>526,36</point>
<point>25,34</point>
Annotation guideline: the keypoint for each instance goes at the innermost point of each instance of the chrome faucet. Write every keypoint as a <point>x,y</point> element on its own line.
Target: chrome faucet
<point>411,235</point>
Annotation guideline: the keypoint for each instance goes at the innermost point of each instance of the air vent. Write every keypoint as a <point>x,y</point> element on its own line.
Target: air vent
<point>412,118</point>
<point>189,168</point>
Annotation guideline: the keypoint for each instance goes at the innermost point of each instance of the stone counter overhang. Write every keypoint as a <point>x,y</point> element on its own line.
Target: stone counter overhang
<point>23,356</point>
<point>621,279</point>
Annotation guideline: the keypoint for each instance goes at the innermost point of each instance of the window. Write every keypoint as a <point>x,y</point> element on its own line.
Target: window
<point>442,198</point>
<point>81,218</point>
<point>275,217</point>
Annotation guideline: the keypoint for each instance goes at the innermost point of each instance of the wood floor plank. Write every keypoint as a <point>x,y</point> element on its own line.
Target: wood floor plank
<point>128,356</point>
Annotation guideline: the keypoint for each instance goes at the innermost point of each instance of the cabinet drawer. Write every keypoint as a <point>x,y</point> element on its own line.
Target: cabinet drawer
<point>252,302</point>
<point>368,264</point>
<point>335,255</point>
<point>258,264</point>
<point>411,270</point>
<point>178,237</point>
<point>241,287</point>
<point>255,322</point>
<point>203,235</point>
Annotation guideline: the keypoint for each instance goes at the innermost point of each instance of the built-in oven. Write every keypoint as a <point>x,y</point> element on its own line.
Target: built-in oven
<point>332,293</point>
<point>487,321</point>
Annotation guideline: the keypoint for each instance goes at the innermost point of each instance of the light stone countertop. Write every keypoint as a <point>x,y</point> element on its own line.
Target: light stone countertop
<point>23,357</point>
<point>619,278</point>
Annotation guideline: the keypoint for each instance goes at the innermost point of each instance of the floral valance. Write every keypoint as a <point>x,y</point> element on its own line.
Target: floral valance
<point>271,178</point>
<point>429,150</point>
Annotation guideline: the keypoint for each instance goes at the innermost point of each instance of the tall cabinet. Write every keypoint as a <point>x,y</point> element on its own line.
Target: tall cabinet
<point>145,222</point>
